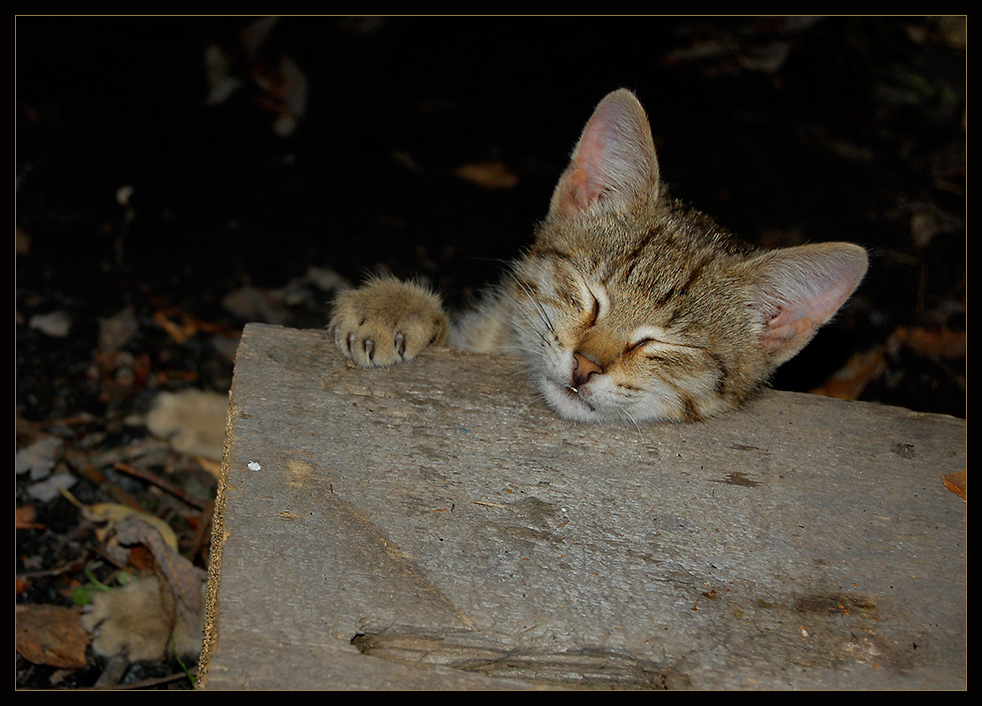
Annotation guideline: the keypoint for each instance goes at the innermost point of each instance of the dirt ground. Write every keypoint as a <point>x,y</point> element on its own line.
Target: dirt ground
<point>179,177</point>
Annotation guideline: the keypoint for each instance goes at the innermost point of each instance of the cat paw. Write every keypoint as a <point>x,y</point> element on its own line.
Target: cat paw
<point>387,321</point>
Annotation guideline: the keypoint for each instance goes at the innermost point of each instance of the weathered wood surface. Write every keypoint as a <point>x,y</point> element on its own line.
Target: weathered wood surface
<point>435,526</point>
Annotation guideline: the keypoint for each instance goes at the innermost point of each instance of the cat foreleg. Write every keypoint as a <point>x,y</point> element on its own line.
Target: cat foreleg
<point>387,321</point>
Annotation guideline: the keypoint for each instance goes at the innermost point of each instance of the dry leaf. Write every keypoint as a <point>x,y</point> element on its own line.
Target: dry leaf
<point>957,483</point>
<point>933,343</point>
<point>135,621</point>
<point>114,513</point>
<point>39,458</point>
<point>221,83</point>
<point>147,617</point>
<point>56,324</point>
<point>24,518</point>
<point>50,634</point>
<point>22,242</point>
<point>212,467</point>
<point>183,577</point>
<point>293,97</point>
<point>282,83</point>
<point>489,174</point>
<point>156,614</point>
<point>180,332</point>
<point>849,381</point>
<point>193,420</point>
<point>48,489</point>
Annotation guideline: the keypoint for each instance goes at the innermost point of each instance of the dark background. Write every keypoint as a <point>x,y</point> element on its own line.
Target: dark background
<point>785,130</point>
<point>856,134</point>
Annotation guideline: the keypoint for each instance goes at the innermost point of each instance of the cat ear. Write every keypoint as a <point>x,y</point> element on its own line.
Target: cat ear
<point>801,288</point>
<point>614,161</point>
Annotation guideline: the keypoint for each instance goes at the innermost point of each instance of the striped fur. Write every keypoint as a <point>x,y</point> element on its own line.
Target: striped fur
<point>629,305</point>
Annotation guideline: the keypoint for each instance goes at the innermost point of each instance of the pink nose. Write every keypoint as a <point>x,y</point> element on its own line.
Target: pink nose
<point>584,368</point>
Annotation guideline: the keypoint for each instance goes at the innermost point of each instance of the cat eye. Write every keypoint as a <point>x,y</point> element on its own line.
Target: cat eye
<point>639,344</point>
<point>661,340</point>
<point>595,314</point>
<point>662,346</point>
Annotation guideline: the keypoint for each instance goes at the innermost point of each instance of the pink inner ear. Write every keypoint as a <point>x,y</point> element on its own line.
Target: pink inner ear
<point>614,156</point>
<point>787,330</point>
<point>801,298</point>
<point>796,322</point>
<point>585,183</point>
<point>593,154</point>
<point>578,194</point>
<point>816,306</point>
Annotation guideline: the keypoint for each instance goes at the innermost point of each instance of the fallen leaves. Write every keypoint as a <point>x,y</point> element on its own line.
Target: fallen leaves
<point>255,304</point>
<point>760,45</point>
<point>112,513</point>
<point>939,343</point>
<point>281,84</point>
<point>50,634</point>
<point>151,616</point>
<point>182,327</point>
<point>39,458</point>
<point>490,174</point>
<point>957,483</point>
<point>119,373</point>
<point>181,330</point>
<point>279,306</point>
<point>116,331</point>
<point>24,518</point>
<point>155,615</point>
<point>136,596</point>
<point>848,382</point>
<point>56,324</point>
<point>41,462</point>
<point>192,420</point>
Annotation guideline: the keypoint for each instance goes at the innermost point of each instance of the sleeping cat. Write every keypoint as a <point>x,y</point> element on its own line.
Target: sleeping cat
<point>629,304</point>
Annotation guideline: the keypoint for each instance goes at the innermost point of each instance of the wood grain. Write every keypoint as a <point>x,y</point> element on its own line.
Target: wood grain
<point>436,526</point>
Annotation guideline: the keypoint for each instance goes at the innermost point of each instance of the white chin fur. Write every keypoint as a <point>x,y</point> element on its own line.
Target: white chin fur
<point>568,405</point>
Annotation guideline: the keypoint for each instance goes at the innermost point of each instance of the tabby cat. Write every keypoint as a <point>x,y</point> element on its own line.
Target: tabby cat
<point>629,304</point>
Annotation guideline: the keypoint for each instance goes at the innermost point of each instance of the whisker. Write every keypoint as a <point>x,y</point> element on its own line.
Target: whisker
<point>634,421</point>
<point>536,304</point>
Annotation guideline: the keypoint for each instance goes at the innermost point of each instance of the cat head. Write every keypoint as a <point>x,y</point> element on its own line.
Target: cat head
<point>631,305</point>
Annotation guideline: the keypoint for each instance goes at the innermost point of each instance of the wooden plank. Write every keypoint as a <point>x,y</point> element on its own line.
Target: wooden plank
<point>435,526</point>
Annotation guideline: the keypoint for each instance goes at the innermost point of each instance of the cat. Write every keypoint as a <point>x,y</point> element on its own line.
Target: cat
<point>629,304</point>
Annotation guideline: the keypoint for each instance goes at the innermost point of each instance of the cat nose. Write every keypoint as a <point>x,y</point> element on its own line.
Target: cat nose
<point>583,369</point>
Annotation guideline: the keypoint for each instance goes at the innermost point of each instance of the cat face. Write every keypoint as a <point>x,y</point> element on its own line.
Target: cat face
<point>630,305</point>
<point>636,338</point>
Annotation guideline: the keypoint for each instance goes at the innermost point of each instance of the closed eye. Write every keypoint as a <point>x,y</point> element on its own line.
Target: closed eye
<point>662,344</point>
<point>596,304</point>
<point>595,312</point>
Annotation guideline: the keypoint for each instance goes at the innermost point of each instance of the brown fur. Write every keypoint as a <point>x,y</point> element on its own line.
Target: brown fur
<point>629,304</point>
